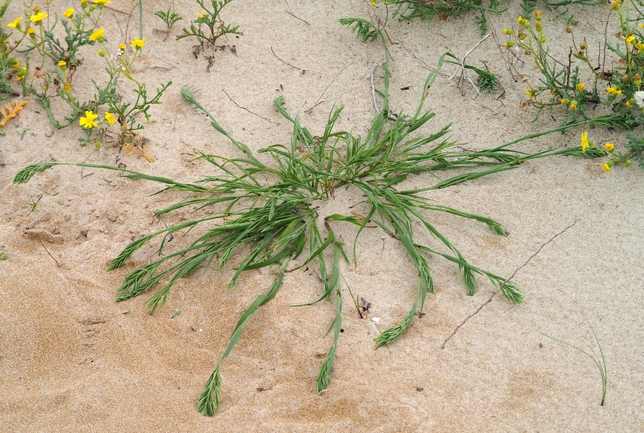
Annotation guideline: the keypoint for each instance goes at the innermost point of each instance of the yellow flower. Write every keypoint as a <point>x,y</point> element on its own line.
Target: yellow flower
<point>62,64</point>
<point>31,31</point>
<point>613,91</point>
<point>610,147</point>
<point>69,12</point>
<point>138,43</point>
<point>520,20</point>
<point>101,53</point>
<point>614,5</point>
<point>565,101</point>
<point>531,94</point>
<point>109,118</point>
<point>15,23</point>
<point>38,17</point>
<point>508,31</point>
<point>580,86</point>
<point>89,120</point>
<point>67,87</point>
<point>373,2</point>
<point>201,14</point>
<point>639,46</point>
<point>584,141</point>
<point>630,39</point>
<point>606,167</point>
<point>97,34</point>
<point>122,47</point>
<point>102,2</point>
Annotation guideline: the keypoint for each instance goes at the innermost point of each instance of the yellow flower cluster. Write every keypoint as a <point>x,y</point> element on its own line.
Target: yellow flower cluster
<point>89,120</point>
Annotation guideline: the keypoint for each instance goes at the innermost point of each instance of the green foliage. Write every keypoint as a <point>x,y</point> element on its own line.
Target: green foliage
<point>443,9</point>
<point>58,59</point>
<point>169,17</point>
<point>265,215</point>
<point>635,146</point>
<point>616,83</point>
<point>365,30</point>
<point>211,20</point>
<point>598,360</point>
<point>10,67</point>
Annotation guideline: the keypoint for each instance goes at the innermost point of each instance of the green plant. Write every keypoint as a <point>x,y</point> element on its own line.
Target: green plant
<point>59,60</point>
<point>10,67</point>
<point>561,86</point>
<point>559,7</point>
<point>209,18</point>
<point>168,17</point>
<point>443,9</point>
<point>3,255</point>
<point>599,361</point>
<point>40,36</point>
<point>268,213</point>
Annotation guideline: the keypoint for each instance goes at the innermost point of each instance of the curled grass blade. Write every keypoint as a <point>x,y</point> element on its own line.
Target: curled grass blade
<point>599,361</point>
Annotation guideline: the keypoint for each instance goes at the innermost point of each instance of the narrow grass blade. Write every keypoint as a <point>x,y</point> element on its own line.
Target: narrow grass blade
<point>599,361</point>
<point>325,370</point>
<point>210,397</point>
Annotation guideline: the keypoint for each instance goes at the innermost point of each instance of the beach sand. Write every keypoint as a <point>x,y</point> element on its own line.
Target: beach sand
<point>73,360</point>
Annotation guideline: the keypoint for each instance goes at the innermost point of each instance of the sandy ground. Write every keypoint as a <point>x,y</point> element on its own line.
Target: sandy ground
<point>72,360</point>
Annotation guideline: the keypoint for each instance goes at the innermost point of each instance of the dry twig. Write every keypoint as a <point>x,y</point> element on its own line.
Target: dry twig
<point>508,279</point>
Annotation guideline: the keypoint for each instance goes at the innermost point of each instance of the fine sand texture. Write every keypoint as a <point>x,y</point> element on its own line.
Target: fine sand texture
<point>74,360</point>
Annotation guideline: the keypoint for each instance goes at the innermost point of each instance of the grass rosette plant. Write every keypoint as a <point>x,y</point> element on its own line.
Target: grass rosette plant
<point>266,214</point>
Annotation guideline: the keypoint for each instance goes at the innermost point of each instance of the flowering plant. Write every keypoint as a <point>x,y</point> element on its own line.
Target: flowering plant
<point>618,87</point>
<point>209,18</point>
<point>58,59</point>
